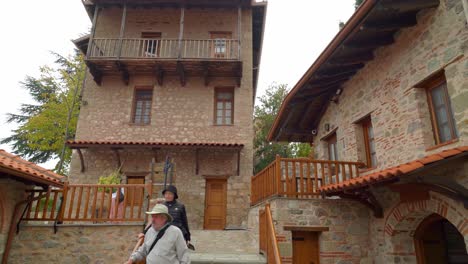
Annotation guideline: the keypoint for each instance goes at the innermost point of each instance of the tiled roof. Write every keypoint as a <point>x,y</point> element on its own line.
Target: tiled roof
<point>20,168</point>
<point>392,173</point>
<point>86,143</point>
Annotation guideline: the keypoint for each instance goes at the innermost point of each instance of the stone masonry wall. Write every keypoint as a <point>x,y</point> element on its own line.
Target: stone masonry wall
<point>11,192</point>
<point>384,88</point>
<point>348,223</point>
<point>74,244</point>
<point>179,114</point>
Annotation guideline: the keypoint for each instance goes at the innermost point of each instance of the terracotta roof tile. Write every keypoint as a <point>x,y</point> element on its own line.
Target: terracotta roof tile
<point>86,143</point>
<point>393,172</point>
<point>18,167</point>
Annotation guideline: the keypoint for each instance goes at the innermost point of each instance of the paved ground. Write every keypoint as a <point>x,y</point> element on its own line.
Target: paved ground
<point>206,258</point>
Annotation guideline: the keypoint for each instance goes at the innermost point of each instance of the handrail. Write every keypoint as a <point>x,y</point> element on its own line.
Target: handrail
<point>268,243</point>
<point>90,203</point>
<point>300,177</point>
<point>156,48</point>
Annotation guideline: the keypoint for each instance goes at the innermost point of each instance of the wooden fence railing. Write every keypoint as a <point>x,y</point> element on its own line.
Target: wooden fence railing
<point>90,203</point>
<point>299,177</point>
<point>268,242</point>
<point>144,48</point>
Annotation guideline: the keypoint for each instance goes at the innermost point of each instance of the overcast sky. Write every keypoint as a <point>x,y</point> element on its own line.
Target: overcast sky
<point>296,32</point>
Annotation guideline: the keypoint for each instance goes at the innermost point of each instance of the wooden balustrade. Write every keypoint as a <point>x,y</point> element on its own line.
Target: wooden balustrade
<point>300,177</point>
<point>268,243</point>
<point>144,48</point>
<point>90,203</point>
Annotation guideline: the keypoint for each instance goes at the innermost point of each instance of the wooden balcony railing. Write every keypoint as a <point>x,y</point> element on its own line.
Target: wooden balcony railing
<point>299,177</point>
<point>90,203</point>
<point>144,48</point>
<point>268,242</point>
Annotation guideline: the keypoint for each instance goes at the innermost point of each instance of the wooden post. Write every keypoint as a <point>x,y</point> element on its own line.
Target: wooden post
<point>93,31</point>
<point>64,203</point>
<point>122,29</point>
<point>278,173</point>
<point>181,30</point>
<point>239,35</point>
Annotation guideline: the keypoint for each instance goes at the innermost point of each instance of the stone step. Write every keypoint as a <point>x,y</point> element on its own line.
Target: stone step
<point>218,258</point>
<point>225,241</point>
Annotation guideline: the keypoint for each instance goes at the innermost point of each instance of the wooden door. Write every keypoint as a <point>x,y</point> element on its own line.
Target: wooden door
<point>305,247</point>
<point>215,204</point>
<point>221,44</point>
<point>137,198</point>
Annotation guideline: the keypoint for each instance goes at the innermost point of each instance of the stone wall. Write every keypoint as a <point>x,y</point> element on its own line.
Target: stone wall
<point>11,192</point>
<point>384,89</point>
<point>74,244</point>
<point>347,240</point>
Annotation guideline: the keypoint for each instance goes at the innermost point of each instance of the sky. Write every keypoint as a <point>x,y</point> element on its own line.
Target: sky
<point>296,32</point>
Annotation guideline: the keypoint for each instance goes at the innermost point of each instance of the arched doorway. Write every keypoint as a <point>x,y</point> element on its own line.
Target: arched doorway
<point>437,241</point>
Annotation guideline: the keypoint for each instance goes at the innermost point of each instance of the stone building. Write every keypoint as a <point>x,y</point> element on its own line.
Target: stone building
<point>386,108</point>
<point>173,80</point>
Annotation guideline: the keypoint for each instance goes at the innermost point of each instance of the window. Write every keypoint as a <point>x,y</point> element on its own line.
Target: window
<point>369,142</point>
<point>151,44</point>
<point>220,47</point>
<point>224,106</point>
<point>443,122</point>
<point>142,106</point>
<point>332,149</point>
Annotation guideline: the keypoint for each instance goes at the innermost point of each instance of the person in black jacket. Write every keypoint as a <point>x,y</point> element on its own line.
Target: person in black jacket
<point>176,210</point>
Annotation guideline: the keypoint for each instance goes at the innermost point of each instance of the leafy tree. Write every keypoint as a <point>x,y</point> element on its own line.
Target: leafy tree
<point>43,127</point>
<point>264,116</point>
<point>357,3</point>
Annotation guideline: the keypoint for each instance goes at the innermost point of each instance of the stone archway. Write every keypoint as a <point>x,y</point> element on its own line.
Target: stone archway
<point>404,218</point>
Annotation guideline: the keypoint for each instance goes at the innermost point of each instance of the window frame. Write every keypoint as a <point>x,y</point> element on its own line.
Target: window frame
<point>439,81</point>
<point>215,106</point>
<point>221,35</point>
<point>332,141</point>
<point>365,123</point>
<point>134,105</point>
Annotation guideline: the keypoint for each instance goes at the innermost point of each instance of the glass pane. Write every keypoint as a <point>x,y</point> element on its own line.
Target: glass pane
<point>224,96</point>
<point>219,105</point>
<point>371,131</point>
<point>228,120</point>
<point>228,113</point>
<point>332,151</point>
<point>372,146</point>
<point>219,113</point>
<point>219,121</point>
<point>374,160</point>
<point>441,115</point>
<point>437,96</point>
<point>228,105</point>
<point>444,133</point>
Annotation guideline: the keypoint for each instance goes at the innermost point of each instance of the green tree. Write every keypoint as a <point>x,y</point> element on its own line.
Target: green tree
<point>43,127</point>
<point>264,116</point>
<point>357,3</point>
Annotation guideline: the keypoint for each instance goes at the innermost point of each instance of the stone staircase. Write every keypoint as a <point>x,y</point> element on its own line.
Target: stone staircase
<point>225,246</point>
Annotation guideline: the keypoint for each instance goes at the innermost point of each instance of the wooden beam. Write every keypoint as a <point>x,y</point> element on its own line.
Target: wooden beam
<point>391,25</point>
<point>353,59</point>
<point>334,71</point>
<point>182,73</point>
<point>371,43</point>
<point>405,5</point>
<point>181,30</point>
<point>97,75</point>
<point>81,160</point>
<point>367,198</point>
<point>123,70</point>
<point>206,74</point>
<point>122,29</point>
<point>93,30</point>
<point>159,75</point>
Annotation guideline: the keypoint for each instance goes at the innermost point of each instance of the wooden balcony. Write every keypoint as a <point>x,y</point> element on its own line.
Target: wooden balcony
<point>299,177</point>
<point>89,203</point>
<point>206,58</point>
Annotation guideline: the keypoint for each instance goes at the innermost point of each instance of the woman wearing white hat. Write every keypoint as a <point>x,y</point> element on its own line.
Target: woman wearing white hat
<point>164,243</point>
